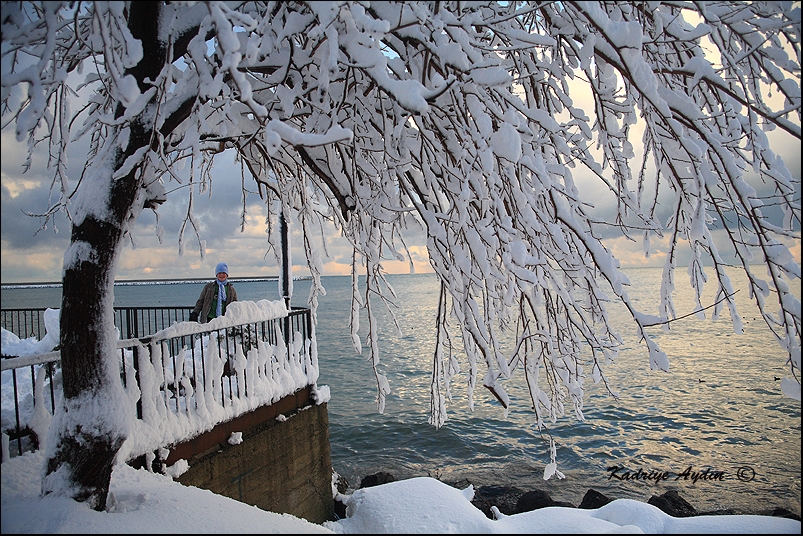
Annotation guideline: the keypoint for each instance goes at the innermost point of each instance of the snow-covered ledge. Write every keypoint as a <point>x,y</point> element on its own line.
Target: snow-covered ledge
<point>259,376</point>
<point>237,313</point>
<point>262,376</point>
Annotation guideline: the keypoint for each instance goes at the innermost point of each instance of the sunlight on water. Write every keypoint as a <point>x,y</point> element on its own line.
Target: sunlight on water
<point>735,417</point>
<point>719,407</point>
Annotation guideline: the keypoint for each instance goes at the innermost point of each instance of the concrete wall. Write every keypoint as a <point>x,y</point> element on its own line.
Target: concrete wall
<point>282,467</point>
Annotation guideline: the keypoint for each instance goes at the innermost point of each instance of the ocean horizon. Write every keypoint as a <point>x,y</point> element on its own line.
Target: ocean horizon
<point>162,281</point>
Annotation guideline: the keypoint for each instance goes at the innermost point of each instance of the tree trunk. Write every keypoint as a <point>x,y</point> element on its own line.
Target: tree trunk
<point>86,450</point>
<point>92,424</point>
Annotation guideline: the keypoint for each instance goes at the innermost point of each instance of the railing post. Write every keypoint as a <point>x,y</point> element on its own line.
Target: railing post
<point>287,264</point>
<point>133,323</point>
<point>17,411</point>
<point>287,273</point>
<point>137,355</point>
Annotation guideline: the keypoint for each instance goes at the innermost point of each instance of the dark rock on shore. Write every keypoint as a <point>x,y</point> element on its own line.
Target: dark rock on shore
<point>511,500</point>
<point>376,479</point>
<point>673,504</point>
<point>340,510</point>
<point>342,486</point>
<point>593,500</point>
<point>503,497</point>
<point>780,512</point>
<point>723,512</point>
<point>533,500</point>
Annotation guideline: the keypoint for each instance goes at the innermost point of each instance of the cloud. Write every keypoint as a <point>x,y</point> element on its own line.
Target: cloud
<point>40,266</point>
<point>30,254</point>
<point>631,253</point>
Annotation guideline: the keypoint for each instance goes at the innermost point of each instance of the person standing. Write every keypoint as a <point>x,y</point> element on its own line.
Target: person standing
<point>215,296</point>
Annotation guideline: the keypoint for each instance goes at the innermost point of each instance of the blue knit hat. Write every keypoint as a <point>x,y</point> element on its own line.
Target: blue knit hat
<point>221,267</point>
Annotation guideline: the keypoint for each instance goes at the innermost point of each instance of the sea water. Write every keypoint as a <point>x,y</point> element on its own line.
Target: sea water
<point>715,427</point>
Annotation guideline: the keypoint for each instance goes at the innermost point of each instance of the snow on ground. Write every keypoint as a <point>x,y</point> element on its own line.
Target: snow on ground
<point>145,502</point>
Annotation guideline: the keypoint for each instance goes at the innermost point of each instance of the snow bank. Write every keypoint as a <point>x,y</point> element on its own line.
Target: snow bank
<point>144,502</point>
<point>32,413</point>
<point>419,505</point>
<point>140,503</point>
<point>426,505</point>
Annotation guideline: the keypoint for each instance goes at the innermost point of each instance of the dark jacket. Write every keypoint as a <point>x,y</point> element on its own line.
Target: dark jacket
<point>204,304</point>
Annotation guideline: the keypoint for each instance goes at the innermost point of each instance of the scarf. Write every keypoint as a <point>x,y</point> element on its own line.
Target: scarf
<point>221,297</point>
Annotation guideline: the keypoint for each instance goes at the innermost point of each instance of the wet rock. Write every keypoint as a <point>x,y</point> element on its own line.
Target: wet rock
<point>376,479</point>
<point>673,504</point>
<point>342,484</point>
<point>503,497</point>
<point>533,500</point>
<point>720,512</point>
<point>593,500</point>
<point>461,484</point>
<point>780,512</point>
<point>340,510</point>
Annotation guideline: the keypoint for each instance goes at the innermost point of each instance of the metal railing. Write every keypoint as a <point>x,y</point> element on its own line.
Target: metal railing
<point>24,323</point>
<point>182,357</point>
<point>133,322</point>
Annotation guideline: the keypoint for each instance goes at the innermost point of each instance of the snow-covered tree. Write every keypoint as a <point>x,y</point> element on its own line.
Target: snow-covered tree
<point>459,118</point>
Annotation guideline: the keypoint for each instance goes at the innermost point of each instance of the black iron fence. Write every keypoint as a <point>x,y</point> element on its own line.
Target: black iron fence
<point>24,323</point>
<point>133,322</point>
<point>181,359</point>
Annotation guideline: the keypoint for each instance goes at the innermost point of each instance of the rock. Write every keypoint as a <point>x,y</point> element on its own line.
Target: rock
<point>533,500</point>
<point>342,484</point>
<point>376,479</point>
<point>593,500</point>
<point>461,484</point>
<point>721,512</point>
<point>780,512</point>
<point>503,497</point>
<point>673,504</point>
<point>340,510</point>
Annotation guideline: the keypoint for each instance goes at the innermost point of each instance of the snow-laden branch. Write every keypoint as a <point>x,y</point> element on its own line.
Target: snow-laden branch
<point>466,122</point>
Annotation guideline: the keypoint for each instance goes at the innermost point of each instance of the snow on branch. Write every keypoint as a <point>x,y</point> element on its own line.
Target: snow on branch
<point>491,127</point>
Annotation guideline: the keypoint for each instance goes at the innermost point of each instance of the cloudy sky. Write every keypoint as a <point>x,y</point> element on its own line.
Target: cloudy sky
<point>32,254</point>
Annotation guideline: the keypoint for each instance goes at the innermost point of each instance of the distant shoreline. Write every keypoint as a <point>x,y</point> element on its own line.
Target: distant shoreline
<point>132,282</point>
